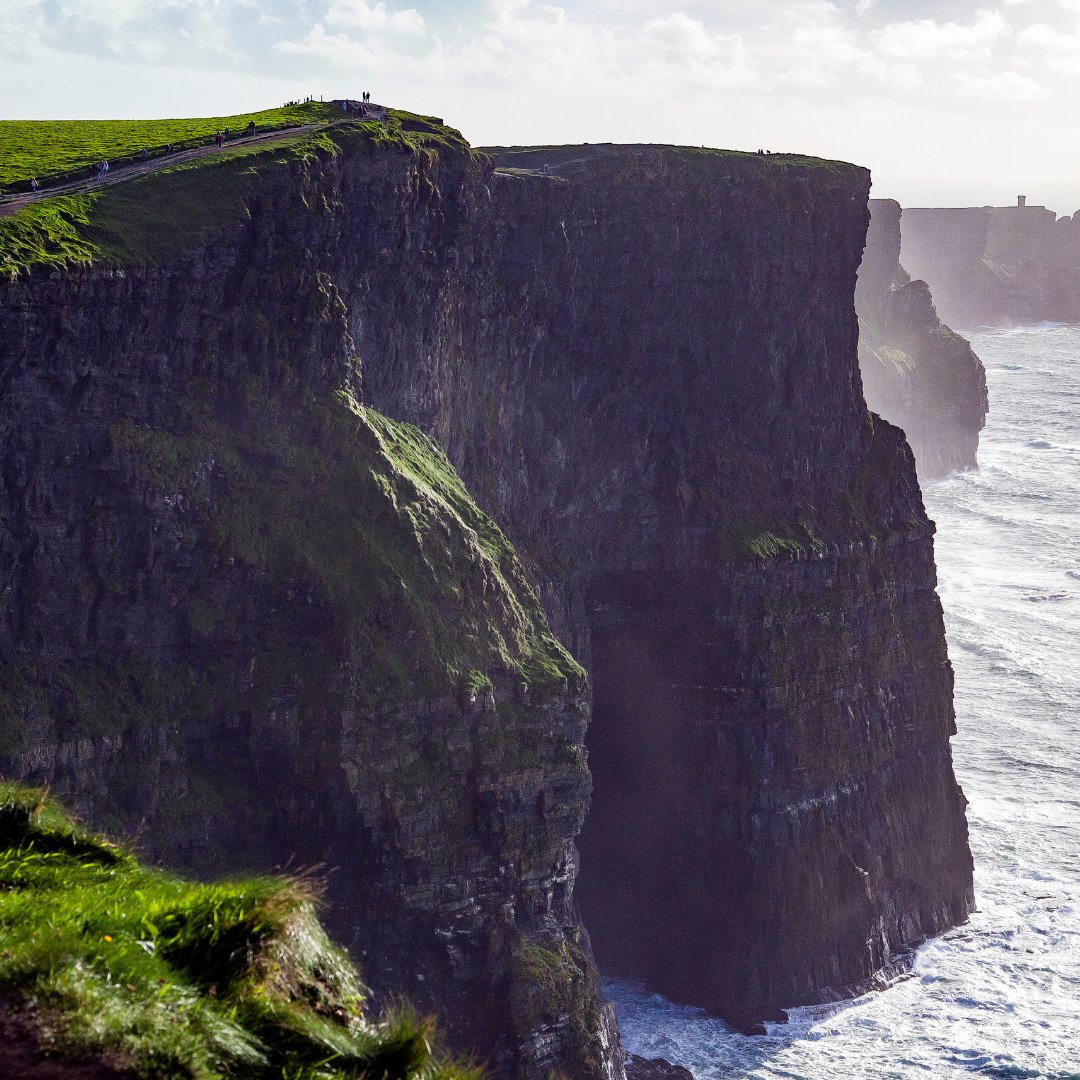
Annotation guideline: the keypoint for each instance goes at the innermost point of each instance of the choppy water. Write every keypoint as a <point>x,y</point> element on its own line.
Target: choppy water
<point>1000,997</point>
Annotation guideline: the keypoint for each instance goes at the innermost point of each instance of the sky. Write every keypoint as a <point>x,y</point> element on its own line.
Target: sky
<point>948,102</point>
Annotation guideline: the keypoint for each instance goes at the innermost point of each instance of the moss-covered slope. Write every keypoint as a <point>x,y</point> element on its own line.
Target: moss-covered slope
<point>105,959</point>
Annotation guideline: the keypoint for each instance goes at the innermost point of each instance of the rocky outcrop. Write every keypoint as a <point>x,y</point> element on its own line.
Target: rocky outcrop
<point>643,362</point>
<point>916,372</point>
<point>639,1068</point>
<point>996,265</point>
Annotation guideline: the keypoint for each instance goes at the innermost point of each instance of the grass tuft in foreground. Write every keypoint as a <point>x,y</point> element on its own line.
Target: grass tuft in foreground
<point>168,978</point>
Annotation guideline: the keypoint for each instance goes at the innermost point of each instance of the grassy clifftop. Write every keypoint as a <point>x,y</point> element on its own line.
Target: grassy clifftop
<point>156,218</point>
<point>45,148</point>
<point>105,958</point>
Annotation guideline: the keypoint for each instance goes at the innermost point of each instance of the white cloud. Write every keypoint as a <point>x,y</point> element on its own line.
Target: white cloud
<point>1054,50</point>
<point>359,15</point>
<point>681,35</point>
<point>542,46</point>
<point>1002,86</point>
<point>925,39</point>
<point>338,49</point>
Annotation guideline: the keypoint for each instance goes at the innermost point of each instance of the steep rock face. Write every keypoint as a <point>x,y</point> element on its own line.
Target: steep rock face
<point>916,372</point>
<point>996,266</point>
<point>644,362</point>
<point>651,372</point>
<point>269,626</point>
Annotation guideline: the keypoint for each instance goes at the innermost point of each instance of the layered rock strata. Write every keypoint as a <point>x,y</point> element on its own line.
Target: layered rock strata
<point>996,265</point>
<point>916,372</point>
<point>643,361</point>
<point>264,626</point>
<point>651,372</point>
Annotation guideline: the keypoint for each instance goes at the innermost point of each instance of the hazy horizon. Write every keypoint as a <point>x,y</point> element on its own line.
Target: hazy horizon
<point>948,102</point>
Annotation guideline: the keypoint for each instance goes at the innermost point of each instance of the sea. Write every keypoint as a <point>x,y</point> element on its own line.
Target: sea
<point>999,997</point>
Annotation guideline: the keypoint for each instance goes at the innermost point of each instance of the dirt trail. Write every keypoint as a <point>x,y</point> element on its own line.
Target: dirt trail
<point>12,204</point>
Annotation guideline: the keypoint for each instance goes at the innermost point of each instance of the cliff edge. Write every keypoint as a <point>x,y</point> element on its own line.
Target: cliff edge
<point>647,362</point>
<point>112,971</point>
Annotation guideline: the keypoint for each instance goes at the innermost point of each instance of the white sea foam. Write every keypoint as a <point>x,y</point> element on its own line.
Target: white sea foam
<point>999,997</point>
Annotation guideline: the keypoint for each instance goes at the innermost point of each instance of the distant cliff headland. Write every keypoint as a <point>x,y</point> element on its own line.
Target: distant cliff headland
<point>996,265</point>
<point>916,372</point>
<point>427,514</point>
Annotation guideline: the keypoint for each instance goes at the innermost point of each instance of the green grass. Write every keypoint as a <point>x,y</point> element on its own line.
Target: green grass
<point>775,160</point>
<point>157,218</point>
<point>529,648</point>
<point>759,541</point>
<point>174,979</point>
<point>55,148</point>
<point>149,221</point>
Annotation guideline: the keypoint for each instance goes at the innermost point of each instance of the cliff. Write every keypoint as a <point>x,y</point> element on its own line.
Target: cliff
<point>643,363</point>
<point>996,266</point>
<point>916,372</point>
<point>265,625</point>
<point>649,367</point>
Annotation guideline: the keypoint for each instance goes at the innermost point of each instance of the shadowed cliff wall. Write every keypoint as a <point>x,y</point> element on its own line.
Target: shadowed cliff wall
<point>264,626</point>
<point>653,376</point>
<point>916,372</point>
